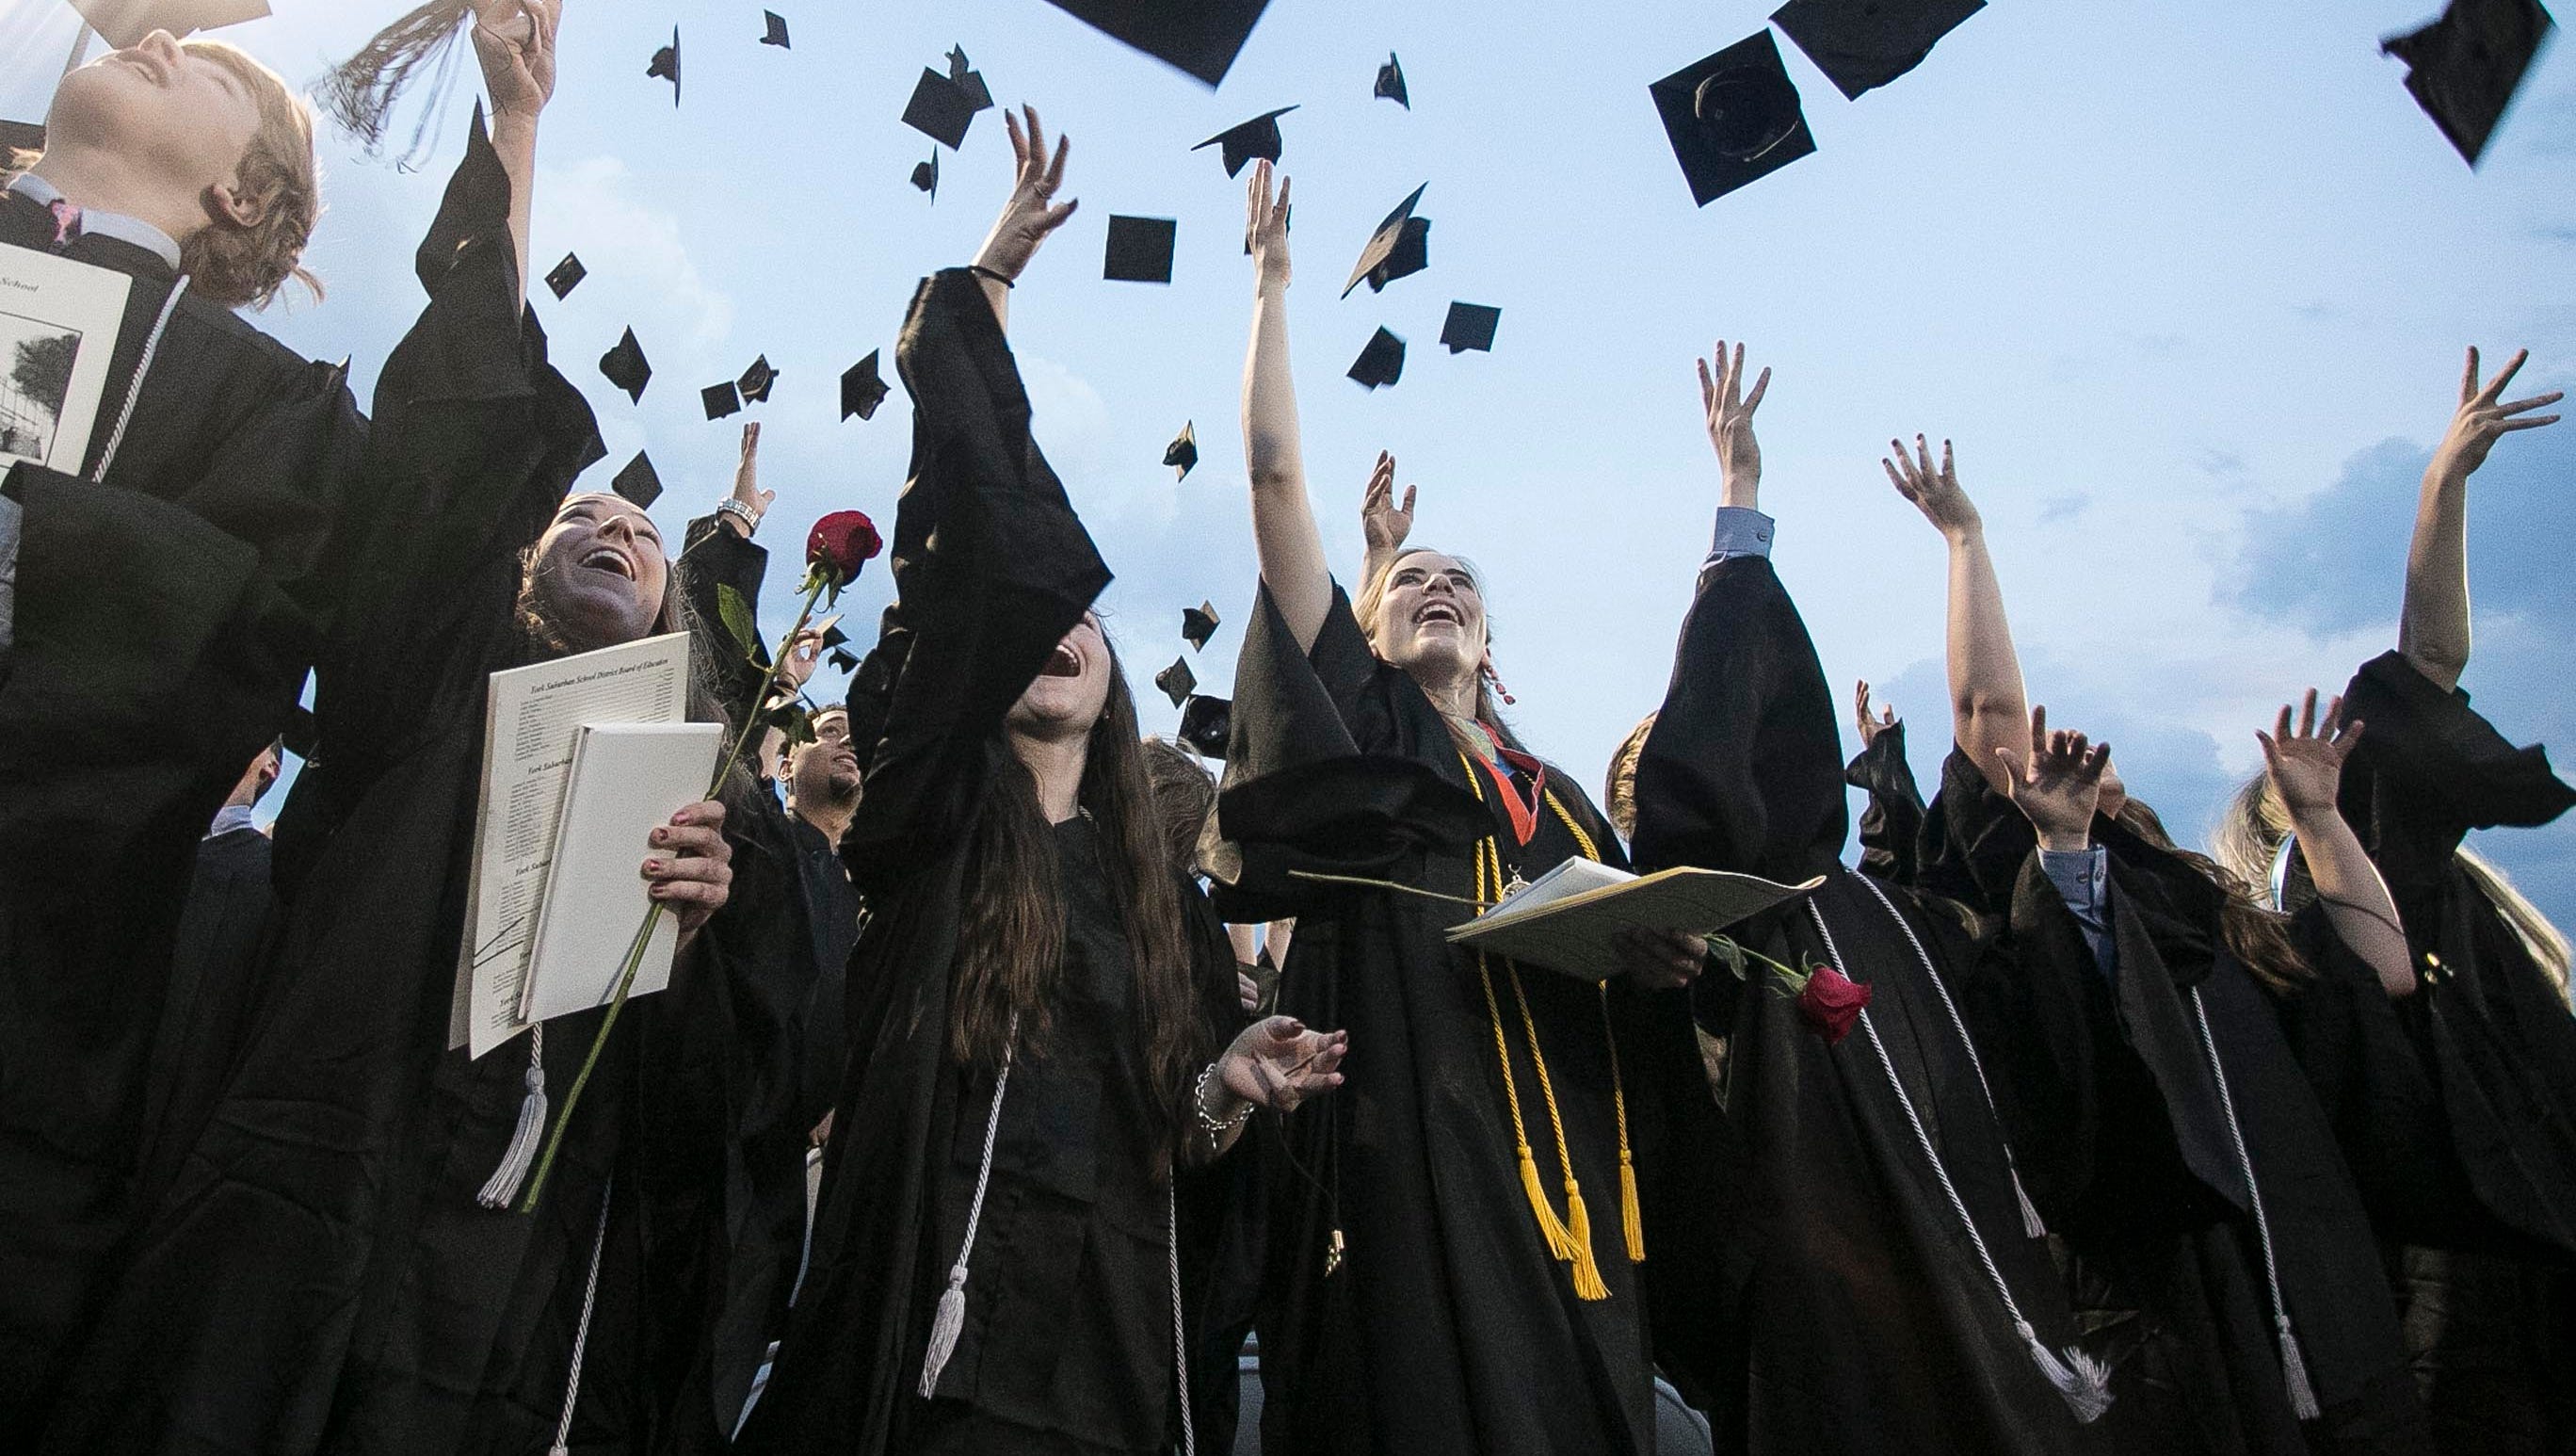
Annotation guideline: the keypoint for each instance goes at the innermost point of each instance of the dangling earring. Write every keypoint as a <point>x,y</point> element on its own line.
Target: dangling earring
<point>1503,692</point>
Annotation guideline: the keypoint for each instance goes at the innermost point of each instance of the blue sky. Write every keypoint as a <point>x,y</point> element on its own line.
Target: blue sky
<point>2187,282</point>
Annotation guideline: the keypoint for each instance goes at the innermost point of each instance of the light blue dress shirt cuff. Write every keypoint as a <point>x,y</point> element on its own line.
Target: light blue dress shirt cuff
<point>2083,881</point>
<point>1741,531</point>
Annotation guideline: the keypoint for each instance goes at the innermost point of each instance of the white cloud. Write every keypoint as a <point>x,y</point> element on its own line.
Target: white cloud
<point>592,208</point>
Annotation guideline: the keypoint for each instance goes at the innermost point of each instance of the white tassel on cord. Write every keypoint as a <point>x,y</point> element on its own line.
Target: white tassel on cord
<point>949,1321</point>
<point>2031,1224</point>
<point>581,1332</point>
<point>2294,1362</point>
<point>521,1155</point>
<point>2083,1382</point>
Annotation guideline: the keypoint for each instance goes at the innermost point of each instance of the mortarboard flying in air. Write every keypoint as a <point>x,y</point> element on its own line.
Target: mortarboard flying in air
<point>1183,453</point>
<point>1140,249</point>
<point>666,65</point>
<point>1399,248</point>
<point>775,30</point>
<point>566,276</point>
<point>1381,362</point>
<point>1199,623</point>
<point>1201,37</point>
<point>638,482</point>
<point>1390,83</point>
<point>862,390</point>
<point>721,400</point>
<point>2464,67</point>
<point>1177,681</point>
<point>1206,724</point>
<point>1733,117</point>
<point>626,367</point>
<point>1258,137</point>
<point>1862,44</point>
<point>968,81</point>
<point>1470,326</point>
<point>756,381</point>
<point>925,175</point>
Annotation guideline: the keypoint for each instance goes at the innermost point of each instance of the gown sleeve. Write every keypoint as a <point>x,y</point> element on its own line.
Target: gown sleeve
<point>1893,817</point>
<point>1742,771</point>
<point>991,569</point>
<point>712,558</point>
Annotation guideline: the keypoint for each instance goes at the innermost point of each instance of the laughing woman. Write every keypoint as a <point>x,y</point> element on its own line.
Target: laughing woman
<point>1455,1266</point>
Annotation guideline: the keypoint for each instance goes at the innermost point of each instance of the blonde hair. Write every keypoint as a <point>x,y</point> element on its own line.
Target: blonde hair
<point>1619,792</point>
<point>1489,712</point>
<point>2248,838</point>
<point>247,266</point>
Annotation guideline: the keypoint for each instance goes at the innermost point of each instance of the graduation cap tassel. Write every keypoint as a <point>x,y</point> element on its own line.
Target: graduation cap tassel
<point>361,93</point>
<point>2084,1381</point>
<point>949,1320</point>
<point>1631,1221</point>
<point>2294,1370</point>
<point>522,1152</point>
<point>1587,1271</point>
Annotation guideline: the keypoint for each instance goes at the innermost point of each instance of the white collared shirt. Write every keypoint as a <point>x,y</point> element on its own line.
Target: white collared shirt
<point>115,225</point>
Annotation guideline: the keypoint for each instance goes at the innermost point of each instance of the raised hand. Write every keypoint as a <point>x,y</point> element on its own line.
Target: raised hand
<point>1730,422</point>
<point>2305,763</point>
<point>2481,421</point>
<point>515,41</point>
<point>802,656</point>
<point>1934,491</point>
<point>1031,213</point>
<point>2058,785</point>
<point>1870,727</point>
<point>1277,1063</point>
<point>1265,228</point>
<point>747,494</point>
<point>1384,525</point>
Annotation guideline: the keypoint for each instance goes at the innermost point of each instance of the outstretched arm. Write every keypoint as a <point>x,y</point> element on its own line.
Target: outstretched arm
<point>1384,525</point>
<point>2433,631</point>
<point>1988,706</point>
<point>1284,535</point>
<point>2305,765</point>
<point>515,41</point>
<point>1030,214</point>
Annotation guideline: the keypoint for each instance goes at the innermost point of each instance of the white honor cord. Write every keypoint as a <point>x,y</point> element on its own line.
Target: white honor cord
<point>143,366</point>
<point>2084,1383</point>
<point>1180,1326</point>
<point>2031,1224</point>
<point>949,1321</point>
<point>2294,1364</point>
<point>581,1332</point>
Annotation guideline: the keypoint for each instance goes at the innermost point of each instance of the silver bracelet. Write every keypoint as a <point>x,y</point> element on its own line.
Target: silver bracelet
<point>1199,1104</point>
<point>740,512</point>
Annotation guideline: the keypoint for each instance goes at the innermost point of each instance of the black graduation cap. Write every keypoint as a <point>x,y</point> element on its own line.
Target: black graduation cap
<point>1861,44</point>
<point>962,74</point>
<point>1382,362</point>
<point>925,175</point>
<point>1733,117</point>
<point>721,400</point>
<point>862,390</point>
<point>1470,326</point>
<point>567,276</point>
<point>302,735</point>
<point>833,636</point>
<point>1201,37</point>
<point>940,109</point>
<point>1183,453</point>
<point>2463,68</point>
<point>843,660</point>
<point>1140,249</point>
<point>127,22</point>
<point>1199,623</point>
<point>626,368</point>
<point>1399,248</point>
<point>1390,82</point>
<point>1177,681</point>
<point>776,34</point>
<point>756,381</point>
<point>1258,137</point>
<point>666,65</point>
<point>1206,724</point>
<point>638,482</point>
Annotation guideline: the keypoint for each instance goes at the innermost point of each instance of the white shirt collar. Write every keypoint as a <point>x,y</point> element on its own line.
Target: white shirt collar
<point>230,819</point>
<point>115,225</point>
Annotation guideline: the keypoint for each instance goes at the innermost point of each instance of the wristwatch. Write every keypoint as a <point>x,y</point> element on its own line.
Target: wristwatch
<point>750,519</point>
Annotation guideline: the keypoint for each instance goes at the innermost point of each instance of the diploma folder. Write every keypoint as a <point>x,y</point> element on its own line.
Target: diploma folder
<point>1570,918</point>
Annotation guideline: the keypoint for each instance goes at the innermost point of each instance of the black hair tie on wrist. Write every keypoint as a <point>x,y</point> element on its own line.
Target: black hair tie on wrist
<point>980,271</point>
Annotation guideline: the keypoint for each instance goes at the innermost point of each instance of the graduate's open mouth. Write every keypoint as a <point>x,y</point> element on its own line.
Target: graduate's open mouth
<point>1430,612</point>
<point>610,559</point>
<point>1065,663</point>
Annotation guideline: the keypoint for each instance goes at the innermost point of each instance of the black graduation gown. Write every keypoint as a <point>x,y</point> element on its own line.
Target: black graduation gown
<point>215,987</point>
<point>2138,1168</point>
<point>164,620</point>
<point>1891,817</point>
<point>1444,1323</point>
<point>991,569</point>
<point>1870,1323</point>
<point>320,1277</point>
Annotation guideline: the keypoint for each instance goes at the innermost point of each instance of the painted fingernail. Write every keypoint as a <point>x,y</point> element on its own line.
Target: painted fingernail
<point>652,866</point>
<point>661,836</point>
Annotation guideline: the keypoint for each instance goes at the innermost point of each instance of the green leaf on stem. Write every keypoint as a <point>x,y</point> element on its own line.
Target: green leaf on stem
<point>737,620</point>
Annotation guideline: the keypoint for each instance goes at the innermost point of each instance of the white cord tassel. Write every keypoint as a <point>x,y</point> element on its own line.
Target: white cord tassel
<point>2294,1369</point>
<point>2294,1362</point>
<point>949,1320</point>
<point>2031,1226</point>
<point>2084,1383</point>
<point>581,1332</point>
<point>521,1155</point>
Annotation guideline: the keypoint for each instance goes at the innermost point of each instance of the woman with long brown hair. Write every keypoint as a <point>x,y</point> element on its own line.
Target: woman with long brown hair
<point>1039,1033</point>
<point>2195,1177</point>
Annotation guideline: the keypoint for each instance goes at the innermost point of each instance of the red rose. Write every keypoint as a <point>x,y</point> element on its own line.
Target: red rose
<point>839,545</point>
<point>1831,1002</point>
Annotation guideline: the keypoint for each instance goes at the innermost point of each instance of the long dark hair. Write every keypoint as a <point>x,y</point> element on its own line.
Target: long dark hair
<point>2258,935</point>
<point>1010,952</point>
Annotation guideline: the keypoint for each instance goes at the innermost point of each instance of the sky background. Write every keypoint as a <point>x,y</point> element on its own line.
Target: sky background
<point>2188,283</point>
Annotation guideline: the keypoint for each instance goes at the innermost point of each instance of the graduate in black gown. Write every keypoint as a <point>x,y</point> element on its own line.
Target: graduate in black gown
<point>1455,1239</point>
<point>170,590</point>
<point>1899,1296</point>
<point>1040,1027</point>
<point>2217,1231</point>
<point>2453,1082</point>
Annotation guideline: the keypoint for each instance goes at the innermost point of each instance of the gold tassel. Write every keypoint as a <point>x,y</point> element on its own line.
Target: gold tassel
<point>1587,1273</point>
<point>1632,1221</point>
<point>1560,1244</point>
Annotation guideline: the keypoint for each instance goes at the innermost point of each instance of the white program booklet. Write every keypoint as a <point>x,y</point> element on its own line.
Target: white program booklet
<point>1570,918</point>
<point>628,779</point>
<point>58,326</point>
<point>531,722</point>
